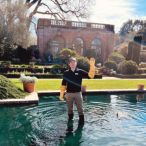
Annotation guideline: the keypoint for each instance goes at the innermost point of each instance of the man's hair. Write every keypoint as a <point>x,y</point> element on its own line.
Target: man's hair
<point>72,59</point>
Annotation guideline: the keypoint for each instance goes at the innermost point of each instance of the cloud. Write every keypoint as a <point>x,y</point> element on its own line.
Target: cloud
<point>113,12</point>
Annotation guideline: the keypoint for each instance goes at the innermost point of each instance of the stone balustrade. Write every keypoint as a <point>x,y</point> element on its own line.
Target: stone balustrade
<point>74,24</point>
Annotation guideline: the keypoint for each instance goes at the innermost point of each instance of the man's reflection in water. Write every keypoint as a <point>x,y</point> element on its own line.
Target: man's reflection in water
<point>72,138</point>
<point>140,97</point>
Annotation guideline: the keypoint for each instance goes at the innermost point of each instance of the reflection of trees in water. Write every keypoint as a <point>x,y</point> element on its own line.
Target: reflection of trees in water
<point>15,126</point>
<point>132,98</point>
<point>72,138</point>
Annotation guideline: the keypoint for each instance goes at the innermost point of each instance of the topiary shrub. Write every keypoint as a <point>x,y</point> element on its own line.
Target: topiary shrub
<point>124,50</point>
<point>83,63</point>
<point>5,64</point>
<point>143,57</point>
<point>116,57</point>
<point>56,69</point>
<point>111,65</point>
<point>66,53</point>
<point>9,90</point>
<point>128,67</point>
<point>142,65</point>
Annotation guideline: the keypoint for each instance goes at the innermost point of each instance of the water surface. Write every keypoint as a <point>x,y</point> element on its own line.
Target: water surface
<point>110,120</point>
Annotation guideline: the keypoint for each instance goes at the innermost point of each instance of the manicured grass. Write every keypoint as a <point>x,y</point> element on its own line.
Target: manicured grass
<point>54,84</point>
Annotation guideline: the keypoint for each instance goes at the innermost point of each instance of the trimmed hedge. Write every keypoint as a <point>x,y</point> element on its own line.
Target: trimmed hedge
<point>128,67</point>
<point>111,65</point>
<point>33,70</point>
<point>45,76</point>
<point>134,76</point>
<point>9,90</point>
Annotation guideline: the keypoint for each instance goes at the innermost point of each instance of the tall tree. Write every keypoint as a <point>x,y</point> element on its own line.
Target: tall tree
<point>131,26</point>
<point>13,26</point>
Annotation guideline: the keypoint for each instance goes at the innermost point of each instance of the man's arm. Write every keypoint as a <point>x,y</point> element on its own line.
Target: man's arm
<point>91,72</point>
<point>62,89</point>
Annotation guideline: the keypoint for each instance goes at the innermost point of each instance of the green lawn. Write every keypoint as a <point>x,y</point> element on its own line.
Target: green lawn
<point>54,84</point>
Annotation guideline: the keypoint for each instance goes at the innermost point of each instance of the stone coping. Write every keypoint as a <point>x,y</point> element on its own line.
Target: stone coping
<point>95,92</point>
<point>32,98</point>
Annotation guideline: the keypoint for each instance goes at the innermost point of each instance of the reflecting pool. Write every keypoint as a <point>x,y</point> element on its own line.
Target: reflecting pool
<point>110,120</point>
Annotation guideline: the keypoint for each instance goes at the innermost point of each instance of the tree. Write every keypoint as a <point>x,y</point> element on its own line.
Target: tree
<point>58,9</point>
<point>130,26</point>
<point>13,23</point>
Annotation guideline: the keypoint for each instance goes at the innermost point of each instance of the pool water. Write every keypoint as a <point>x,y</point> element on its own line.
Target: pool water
<point>110,120</point>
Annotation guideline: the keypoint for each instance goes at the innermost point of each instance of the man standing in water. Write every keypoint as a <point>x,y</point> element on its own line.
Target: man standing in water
<point>71,83</point>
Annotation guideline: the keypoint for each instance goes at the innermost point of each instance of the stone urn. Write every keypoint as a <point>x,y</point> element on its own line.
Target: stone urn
<point>140,86</point>
<point>29,87</point>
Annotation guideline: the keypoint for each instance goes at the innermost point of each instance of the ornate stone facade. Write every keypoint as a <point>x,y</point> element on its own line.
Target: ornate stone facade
<point>54,35</point>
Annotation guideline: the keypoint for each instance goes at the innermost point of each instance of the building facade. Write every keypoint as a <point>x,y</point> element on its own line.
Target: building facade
<point>53,35</point>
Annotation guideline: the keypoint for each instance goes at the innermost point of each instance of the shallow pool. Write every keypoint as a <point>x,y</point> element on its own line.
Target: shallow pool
<point>110,120</point>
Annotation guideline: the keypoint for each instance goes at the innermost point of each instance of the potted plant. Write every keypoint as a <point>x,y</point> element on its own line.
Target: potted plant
<point>28,83</point>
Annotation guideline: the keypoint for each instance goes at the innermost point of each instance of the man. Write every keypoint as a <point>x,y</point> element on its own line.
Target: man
<point>71,83</point>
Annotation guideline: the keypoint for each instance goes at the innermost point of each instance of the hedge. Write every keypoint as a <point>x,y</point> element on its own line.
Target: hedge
<point>45,76</point>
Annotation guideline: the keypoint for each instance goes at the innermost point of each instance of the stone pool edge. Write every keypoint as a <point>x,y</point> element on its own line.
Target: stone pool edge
<point>94,92</point>
<point>32,98</point>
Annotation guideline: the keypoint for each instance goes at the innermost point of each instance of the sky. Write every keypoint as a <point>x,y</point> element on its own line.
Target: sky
<point>116,12</point>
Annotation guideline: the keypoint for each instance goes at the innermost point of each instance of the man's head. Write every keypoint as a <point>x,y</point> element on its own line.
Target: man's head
<point>72,62</point>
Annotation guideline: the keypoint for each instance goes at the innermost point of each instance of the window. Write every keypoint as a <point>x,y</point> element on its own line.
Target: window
<point>96,45</point>
<point>56,44</point>
<point>78,45</point>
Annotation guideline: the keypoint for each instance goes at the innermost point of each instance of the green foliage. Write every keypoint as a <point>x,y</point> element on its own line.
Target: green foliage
<point>143,57</point>
<point>5,63</point>
<point>83,63</point>
<point>66,53</point>
<point>142,65</point>
<point>128,67</point>
<point>116,57</point>
<point>9,90</point>
<point>56,69</point>
<point>111,65</point>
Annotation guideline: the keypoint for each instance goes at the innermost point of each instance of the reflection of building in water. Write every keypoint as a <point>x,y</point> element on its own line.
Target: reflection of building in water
<point>53,35</point>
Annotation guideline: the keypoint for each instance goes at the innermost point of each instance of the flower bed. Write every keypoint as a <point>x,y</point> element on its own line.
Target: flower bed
<point>44,76</point>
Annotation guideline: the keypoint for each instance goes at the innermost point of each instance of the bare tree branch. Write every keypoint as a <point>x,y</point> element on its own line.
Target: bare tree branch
<point>59,9</point>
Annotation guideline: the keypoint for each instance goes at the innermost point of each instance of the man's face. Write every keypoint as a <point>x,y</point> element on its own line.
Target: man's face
<point>73,64</point>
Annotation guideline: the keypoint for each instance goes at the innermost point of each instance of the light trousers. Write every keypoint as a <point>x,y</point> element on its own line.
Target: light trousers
<point>76,98</point>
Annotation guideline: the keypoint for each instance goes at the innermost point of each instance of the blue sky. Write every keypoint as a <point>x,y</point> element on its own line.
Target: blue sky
<point>116,12</point>
<point>141,7</point>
